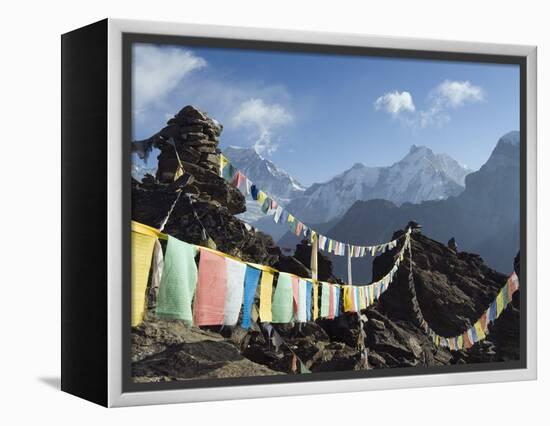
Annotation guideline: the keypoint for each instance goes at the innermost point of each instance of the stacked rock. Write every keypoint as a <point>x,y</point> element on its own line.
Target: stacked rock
<point>195,136</point>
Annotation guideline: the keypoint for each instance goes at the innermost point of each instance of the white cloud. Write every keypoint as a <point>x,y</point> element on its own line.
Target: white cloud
<point>395,103</point>
<point>446,96</point>
<point>456,93</point>
<point>262,118</point>
<point>159,70</point>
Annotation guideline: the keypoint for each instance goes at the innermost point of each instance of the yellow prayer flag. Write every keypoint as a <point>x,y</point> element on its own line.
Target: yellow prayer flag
<point>261,197</point>
<point>266,289</point>
<point>348,299</point>
<point>460,342</point>
<point>479,331</point>
<point>223,163</point>
<point>362,301</point>
<point>142,253</point>
<point>315,300</point>
<point>500,303</point>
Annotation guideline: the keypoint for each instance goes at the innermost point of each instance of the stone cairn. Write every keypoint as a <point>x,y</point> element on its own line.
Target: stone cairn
<point>196,138</point>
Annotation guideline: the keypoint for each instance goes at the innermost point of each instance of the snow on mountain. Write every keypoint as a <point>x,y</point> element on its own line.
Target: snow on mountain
<point>421,175</point>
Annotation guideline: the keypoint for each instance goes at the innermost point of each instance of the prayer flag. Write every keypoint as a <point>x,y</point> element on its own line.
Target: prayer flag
<point>228,172</point>
<point>493,311</point>
<point>284,216</point>
<point>254,192</point>
<point>325,300</point>
<point>235,290</point>
<point>302,300</point>
<point>142,253</point>
<point>295,295</point>
<point>336,300</point>
<point>157,267</point>
<point>278,213</point>
<point>266,204</point>
<point>251,279</point>
<point>211,289</point>
<point>500,303</point>
<point>178,282</point>
<point>315,300</point>
<point>299,227</point>
<point>330,314</point>
<point>266,289</point>
<point>479,331</point>
<point>472,334</point>
<point>261,197</point>
<point>282,300</point>
<point>505,292</point>
<point>309,288</point>
<point>223,164</point>
<point>348,299</point>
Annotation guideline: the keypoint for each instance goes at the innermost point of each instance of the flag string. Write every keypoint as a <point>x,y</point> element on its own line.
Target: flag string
<point>476,333</point>
<point>269,206</point>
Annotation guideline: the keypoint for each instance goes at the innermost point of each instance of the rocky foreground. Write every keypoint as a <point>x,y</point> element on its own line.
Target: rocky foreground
<point>453,288</point>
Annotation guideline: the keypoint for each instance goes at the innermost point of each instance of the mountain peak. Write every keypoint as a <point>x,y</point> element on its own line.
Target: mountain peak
<point>511,138</point>
<point>419,149</point>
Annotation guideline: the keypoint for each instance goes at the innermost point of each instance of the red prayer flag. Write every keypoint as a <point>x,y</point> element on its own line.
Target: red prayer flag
<point>211,289</point>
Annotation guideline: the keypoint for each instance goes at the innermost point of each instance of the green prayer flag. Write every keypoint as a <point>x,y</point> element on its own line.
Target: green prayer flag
<point>281,307</point>
<point>178,282</point>
<point>325,300</point>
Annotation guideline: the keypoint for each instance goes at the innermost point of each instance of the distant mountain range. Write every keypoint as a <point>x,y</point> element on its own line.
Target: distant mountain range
<point>421,175</point>
<point>483,219</point>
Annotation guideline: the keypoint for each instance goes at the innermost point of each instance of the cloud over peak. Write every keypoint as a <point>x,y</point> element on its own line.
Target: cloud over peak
<point>262,118</point>
<point>395,103</point>
<point>446,96</point>
<point>457,93</point>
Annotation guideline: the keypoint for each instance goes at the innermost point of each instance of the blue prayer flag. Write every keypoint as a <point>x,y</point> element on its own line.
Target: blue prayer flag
<point>254,192</point>
<point>251,278</point>
<point>309,288</point>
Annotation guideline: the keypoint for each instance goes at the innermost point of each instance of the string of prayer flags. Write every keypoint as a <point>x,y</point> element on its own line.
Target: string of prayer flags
<point>297,227</point>
<point>480,329</point>
<point>211,289</point>
<point>178,282</point>
<point>223,284</point>
<point>251,280</point>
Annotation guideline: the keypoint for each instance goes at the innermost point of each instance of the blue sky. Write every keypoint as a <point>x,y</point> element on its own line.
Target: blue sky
<point>316,115</point>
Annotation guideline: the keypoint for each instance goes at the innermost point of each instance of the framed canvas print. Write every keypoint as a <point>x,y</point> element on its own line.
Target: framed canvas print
<point>253,213</point>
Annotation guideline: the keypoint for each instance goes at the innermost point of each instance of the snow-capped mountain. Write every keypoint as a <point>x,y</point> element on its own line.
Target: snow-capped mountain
<point>269,178</point>
<point>483,219</point>
<point>421,175</point>
<point>266,175</point>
